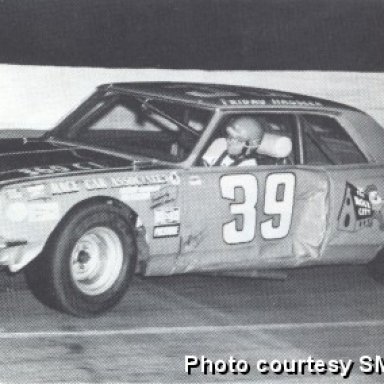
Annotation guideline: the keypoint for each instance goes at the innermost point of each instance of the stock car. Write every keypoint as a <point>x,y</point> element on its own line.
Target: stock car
<point>122,186</point>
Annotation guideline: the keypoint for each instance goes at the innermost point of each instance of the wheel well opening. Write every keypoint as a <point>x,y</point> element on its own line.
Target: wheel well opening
<point>128,213</point>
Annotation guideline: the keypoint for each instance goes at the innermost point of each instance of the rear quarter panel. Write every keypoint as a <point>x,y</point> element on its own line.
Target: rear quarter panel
<point>356,224</point>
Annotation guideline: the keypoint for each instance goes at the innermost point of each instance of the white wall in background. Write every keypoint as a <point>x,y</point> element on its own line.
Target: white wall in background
<point>38,97</point>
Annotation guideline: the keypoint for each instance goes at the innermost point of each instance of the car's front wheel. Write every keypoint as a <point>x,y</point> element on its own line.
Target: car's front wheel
<point>88,263</point>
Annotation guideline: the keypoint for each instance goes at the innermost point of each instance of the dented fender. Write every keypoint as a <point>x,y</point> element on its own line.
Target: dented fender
<point>32,210</point>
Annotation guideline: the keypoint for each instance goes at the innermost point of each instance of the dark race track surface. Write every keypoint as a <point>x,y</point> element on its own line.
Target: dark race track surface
<point>327,313</point>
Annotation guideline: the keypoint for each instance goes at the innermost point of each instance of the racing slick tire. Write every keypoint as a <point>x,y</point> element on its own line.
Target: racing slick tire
<point>376,268</point>
<point>88,263</point>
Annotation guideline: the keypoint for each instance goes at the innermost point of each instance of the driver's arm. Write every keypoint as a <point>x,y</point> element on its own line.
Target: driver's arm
<point>214,151</point>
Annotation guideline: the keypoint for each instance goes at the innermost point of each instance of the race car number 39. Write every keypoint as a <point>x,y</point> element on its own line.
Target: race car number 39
<point>278,202</point>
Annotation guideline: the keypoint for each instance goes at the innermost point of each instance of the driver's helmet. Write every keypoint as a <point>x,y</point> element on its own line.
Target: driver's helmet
<point>246,129</point>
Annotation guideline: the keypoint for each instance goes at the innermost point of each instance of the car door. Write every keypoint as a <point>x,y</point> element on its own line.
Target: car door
<point>239,217</point>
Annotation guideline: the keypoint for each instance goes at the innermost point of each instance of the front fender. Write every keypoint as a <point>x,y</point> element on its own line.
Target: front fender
<point>31,212</point>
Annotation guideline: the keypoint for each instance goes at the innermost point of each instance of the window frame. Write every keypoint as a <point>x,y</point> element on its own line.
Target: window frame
<point>297,139</point>
<point>226,114</point>
<point>301,127</point>
<point>75,121</point>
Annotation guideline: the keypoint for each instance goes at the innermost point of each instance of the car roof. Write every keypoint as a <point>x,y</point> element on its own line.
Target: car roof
<point>223,96</point>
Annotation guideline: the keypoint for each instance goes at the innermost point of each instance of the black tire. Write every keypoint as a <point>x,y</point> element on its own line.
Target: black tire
<point>51,276</point>
<point>36,274</point>
<point>376,268</point>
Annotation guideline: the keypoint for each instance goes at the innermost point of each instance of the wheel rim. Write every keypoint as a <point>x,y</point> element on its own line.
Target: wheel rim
<point>96,260</point>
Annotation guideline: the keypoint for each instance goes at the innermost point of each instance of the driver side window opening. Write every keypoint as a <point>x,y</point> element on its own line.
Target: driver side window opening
<point>279,132</point>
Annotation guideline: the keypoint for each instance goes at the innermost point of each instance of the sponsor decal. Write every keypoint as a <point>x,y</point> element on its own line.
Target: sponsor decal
<point>305,103</point>
<point>39,171</point>
<point>164,195</point>
<point>193,240</point>
<point>61,187</point>
<point>166,216</point>
<point>65,186</point>
<point>296,102</point>
<point>132,180</point>
<point>360,208</point>
<point>126,181</point>
<point>70,186</point>
<point>52,169</point>
<point>137,192</point>
<point>38,191</point>
<point>95,183</point>
<point>244,101</point>
<point>85,166</point>
<point>166,231</point>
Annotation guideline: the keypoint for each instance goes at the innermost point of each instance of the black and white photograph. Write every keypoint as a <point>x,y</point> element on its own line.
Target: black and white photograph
<point>192,191</point>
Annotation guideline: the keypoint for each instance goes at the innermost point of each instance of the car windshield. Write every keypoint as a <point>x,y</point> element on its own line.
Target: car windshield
<point>135,126</point>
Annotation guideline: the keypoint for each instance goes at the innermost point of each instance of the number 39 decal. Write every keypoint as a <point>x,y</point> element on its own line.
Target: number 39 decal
<point>278,202</point>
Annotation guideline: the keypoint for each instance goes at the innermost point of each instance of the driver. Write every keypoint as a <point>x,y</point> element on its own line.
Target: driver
<point>244,135</point>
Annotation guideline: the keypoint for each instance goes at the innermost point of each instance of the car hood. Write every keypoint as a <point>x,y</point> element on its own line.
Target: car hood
<point>23,159</point>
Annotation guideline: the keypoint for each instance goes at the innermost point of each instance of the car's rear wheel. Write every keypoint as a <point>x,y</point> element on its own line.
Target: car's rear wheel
<point>88,263</point>
<point>376,267</point>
